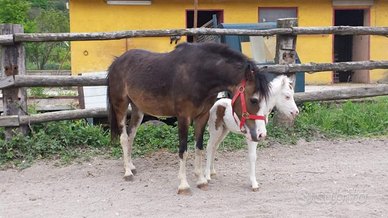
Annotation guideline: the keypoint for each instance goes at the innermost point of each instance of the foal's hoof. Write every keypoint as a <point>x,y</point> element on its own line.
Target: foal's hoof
<point>204,186</point>
<point>255,189</point>
<point>129,178</point>
<point>213,175</point>
<point>186,192</point>
<point>134,172</point>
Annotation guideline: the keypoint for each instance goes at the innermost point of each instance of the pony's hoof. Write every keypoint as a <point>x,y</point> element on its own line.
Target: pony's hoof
<point>204,186</point>
<point>255,189</point>
<point>134,172</point>
<point>186,192</point>
<point>129,178</point>
<point>213,175</point>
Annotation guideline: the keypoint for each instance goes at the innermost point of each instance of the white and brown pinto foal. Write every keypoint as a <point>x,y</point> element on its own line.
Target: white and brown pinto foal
<point>221,122</point>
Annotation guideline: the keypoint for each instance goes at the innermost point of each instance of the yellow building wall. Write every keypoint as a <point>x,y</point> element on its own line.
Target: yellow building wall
<point>97,16</point>
<point>379,44</point>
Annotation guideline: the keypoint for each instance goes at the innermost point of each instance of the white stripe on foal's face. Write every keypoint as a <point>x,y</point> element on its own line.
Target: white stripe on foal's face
<point>260,128</point>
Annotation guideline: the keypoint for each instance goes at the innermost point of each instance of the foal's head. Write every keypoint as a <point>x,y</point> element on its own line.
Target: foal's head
<point>256,92</point>
<point>283,96</point>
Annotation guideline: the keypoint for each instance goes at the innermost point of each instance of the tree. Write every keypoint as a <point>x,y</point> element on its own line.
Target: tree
<point>16,12</point>
<point>39,3</point>
<point>47,22</point>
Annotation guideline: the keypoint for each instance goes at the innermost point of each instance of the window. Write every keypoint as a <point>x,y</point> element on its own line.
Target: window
<point>273,14</point>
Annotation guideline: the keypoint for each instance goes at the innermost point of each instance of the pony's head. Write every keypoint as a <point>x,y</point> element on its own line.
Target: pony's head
<point>250,101</point>
<point>283,96</point>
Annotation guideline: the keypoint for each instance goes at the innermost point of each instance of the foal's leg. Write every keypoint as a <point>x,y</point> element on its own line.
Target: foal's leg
<point>183,131</point>
<point>127,141</point>
<point>216,137</point>
<point>199,129</point>
<point>252,146</point>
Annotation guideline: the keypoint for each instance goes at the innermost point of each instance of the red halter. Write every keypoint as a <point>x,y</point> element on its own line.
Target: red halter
<point>245,115</point>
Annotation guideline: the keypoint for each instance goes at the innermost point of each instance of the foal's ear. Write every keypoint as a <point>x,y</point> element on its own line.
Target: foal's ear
<point>284,80</point>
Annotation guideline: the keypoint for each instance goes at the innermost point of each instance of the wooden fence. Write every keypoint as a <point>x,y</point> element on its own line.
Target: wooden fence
<point>14,77</point>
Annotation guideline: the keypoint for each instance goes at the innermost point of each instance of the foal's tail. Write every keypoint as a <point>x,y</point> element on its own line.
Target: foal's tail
<point>114,128</point>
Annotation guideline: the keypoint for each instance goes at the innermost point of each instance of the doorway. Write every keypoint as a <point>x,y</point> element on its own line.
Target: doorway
<point>351,47</point>
<point>204,17</point>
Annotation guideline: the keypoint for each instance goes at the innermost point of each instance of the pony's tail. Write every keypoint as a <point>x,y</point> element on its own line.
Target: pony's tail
<point>114,128</point>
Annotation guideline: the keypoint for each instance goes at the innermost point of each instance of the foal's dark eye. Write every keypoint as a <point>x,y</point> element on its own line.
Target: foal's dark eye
<point>253,101</point>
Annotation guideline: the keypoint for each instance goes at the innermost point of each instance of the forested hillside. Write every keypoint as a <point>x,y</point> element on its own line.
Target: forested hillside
<point>40,16</point>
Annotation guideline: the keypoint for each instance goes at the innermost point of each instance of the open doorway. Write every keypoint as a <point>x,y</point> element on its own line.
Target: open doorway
<point>351,47</point>
<point>204,16</point>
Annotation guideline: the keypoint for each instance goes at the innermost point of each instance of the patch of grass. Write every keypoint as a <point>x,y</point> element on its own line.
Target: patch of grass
<point>343,120</point>
<point>67,141</point>
<point>37,92</point>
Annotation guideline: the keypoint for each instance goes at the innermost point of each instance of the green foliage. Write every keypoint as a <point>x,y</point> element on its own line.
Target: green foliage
<point>50,21</point>
<point>16,12</point>
<point>43,4</point>
<point>67,139</point>
<point>37,92</point>
<point>42,16</point>
<point>349,119</point>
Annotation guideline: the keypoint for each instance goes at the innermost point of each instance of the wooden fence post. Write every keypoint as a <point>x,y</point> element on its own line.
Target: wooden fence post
<point>13,63</point>
<point>285,54</point>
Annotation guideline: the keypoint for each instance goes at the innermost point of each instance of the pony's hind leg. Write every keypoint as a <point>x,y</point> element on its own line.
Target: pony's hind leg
<point>199,129</point>
<point>127,141</point>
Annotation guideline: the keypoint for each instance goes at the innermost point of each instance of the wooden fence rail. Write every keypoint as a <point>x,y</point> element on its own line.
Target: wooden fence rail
<point>15,120</point>
<point>319,67</point>
<point>350,93</point>
<point>57,37</point>
<point>55,81</point>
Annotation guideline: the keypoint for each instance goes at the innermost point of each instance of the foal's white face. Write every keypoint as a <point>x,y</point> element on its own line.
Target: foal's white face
<point>285,102</point>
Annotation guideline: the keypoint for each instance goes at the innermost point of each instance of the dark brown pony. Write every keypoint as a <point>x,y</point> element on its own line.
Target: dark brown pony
<point>182,83</point>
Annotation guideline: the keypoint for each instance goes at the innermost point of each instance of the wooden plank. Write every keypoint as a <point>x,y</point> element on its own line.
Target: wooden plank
<point>64,115</point>
<point>9,121</point>
<point>6,39</point>
<point>195,25</point>
<point>319,67</point>
<point>49,104</point>
<point>51,81</point>
<point>13,63</point>
<point>285,55</point>
<point>81,96</point>
<point>49,72</point>
<point>349,93</point>
<point>55,37</point>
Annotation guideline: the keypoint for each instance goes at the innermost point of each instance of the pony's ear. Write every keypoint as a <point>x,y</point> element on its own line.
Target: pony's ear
<point>249,71</point>
<point>284,80</point>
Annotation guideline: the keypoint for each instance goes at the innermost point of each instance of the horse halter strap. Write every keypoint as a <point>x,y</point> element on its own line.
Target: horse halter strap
<point>245,114</point>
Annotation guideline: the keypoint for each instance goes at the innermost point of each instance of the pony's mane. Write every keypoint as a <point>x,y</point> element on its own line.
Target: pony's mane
<point>262,82</point>
<point>263,86</point>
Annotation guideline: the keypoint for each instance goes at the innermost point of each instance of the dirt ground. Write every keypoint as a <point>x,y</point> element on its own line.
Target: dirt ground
<point>311,179</point>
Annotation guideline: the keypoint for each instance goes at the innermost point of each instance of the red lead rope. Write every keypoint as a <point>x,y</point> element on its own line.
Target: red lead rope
<point>245,114</point>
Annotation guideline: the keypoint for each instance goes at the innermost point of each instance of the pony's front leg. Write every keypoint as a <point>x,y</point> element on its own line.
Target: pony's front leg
<point>252,146</point>
<point>216,137</point>
<point>199,129</point>
<point>127,141</point>
<point>183,130</point>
